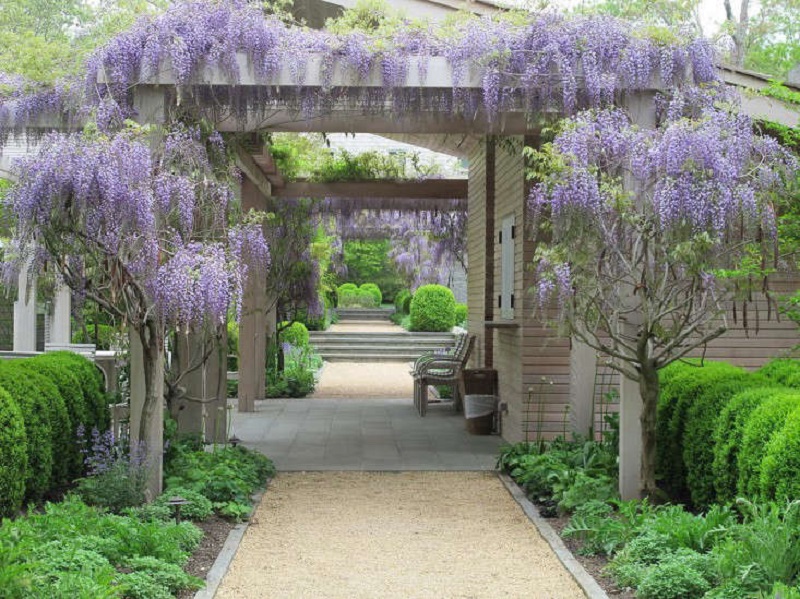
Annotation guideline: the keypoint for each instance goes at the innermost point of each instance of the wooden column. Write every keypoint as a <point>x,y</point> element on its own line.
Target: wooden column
<point>253,323</point>
<point>61,325</point>
<point>25,314</point>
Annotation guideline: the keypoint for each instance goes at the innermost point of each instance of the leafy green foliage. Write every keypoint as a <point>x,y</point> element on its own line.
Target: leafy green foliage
<point>402,302</point>
<point>461,315</point>
<point>225,476</point>
<point>676,577</point>
<point>783,371</point>
<point>92,386</point>
<point>368,261</point>
<point>433,308</point>
<point>13,456</point>
<point>71,549</point>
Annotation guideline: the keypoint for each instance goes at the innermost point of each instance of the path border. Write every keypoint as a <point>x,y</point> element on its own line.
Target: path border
<point>220,566</point>
<point>564,555</point>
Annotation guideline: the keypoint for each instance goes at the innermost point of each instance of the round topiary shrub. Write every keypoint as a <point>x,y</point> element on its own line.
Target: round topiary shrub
<point>36,417</point>
<point>728,438</point>
<point>461,315</point>
<point>433,309</point>
<point>374,291</point>
<point>764,422</point>
<point>13,456</point>
<point>344,289</point>
<point>701,422</point>
<point>295,334</point>
<point>780,469</point>
<point>365,299</point>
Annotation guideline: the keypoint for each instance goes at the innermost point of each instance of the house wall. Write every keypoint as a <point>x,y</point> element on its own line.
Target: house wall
<point>533,362</point>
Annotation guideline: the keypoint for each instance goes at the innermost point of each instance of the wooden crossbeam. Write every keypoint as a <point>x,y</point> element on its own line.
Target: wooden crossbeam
<point>438,189</point>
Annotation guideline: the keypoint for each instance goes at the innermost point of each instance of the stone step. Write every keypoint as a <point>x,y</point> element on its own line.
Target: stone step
<point>359,357</point>
<point>381,338</point>
<point>371,314</point>
<point>373,348</point>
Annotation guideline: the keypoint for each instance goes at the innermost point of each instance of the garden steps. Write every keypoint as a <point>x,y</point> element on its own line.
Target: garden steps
<point>370,314</point>
<point>377,347</point>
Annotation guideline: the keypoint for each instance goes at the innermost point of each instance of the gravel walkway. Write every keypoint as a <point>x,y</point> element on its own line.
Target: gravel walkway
<point>382,535</point>
<point>365,380</point>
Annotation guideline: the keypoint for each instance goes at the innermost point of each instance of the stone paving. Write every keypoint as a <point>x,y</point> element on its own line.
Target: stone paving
<point>363,434</point>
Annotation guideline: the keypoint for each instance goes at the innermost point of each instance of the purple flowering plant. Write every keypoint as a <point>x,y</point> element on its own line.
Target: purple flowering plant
<point>644,235</point>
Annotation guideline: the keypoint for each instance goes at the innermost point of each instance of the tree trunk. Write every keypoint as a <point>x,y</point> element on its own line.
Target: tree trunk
<point>147,401</point>
<point>648,388</point>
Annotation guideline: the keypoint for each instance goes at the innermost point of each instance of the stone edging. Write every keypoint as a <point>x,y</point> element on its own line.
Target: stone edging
<point>573,566</point>
<point>227,553</point>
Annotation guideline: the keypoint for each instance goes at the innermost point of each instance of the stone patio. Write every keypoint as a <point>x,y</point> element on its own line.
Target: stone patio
<point>362,435</point>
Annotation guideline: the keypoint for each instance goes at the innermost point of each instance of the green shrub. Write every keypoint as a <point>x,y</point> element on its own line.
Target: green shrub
<point>407,304</point>
<point>780,467</point>
<point>92,385</point>
<point>728,438</point>
<point>374,291</point>
<point>461,315</point>
<point>152,578</point>
<point>433,309</point>
<point>13,456</point>
<point>681,384</point>
<point>764,421</point>
<point>345,289</point>
<point>698,437</point>
<point>198,509</point>
<point>784,371</point>
<point>400,306</point>
<point>677,577</point>
<point>296,334</point>
<point>35,411</point>
<point>69,388</point>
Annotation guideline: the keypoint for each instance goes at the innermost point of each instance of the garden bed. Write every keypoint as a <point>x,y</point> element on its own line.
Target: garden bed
<point>215,533</point>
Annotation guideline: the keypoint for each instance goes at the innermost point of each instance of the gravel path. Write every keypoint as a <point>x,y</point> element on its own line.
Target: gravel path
<point>365,380</point>
<point>420,535</point>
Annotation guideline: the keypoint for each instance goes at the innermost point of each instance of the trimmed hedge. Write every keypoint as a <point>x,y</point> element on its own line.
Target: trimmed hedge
<point>765,420</point>
<point>36,414</point>
<point>92,386</point>
<point>374,291</point>
<point>784,371</point>
<point>682,383</point>
<point>702,416</point>
<point>295,334</point>
<point>13,456</point>
<point>344,289</point>
<point>728,438</point>
<point>433,309</point>
<point>780,469</point>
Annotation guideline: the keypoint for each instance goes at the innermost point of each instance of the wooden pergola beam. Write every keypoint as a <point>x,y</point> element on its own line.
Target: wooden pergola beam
<point>432,189</point>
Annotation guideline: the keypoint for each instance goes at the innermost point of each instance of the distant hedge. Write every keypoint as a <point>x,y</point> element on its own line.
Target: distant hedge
<point>724,432</point>
<point>374,291</point>
<point>402,301</point>
<point>433,309</point>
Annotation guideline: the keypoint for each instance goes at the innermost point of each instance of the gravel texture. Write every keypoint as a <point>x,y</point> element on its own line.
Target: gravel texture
<point>365,380</point>
<point>413,535</point>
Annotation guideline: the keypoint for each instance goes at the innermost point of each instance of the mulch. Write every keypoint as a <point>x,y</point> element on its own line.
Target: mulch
<point>215,533</point>
<point>593,564</point>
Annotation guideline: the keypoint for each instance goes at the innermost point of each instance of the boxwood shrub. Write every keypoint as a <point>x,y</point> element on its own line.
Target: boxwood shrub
<point>461,315</point>
<point>681,385</point>
<point>780,468</point>
<point>92,385</point>
<point>765,420</point>
<point>296,334</point>
<point>35,411</point>
<point>13,456</point>
<point>433,309</point>
<point>374,291</point>
<point>701,420</point>
<point>728,437</point>
<point>343,289</point>
<point>784,371</point>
